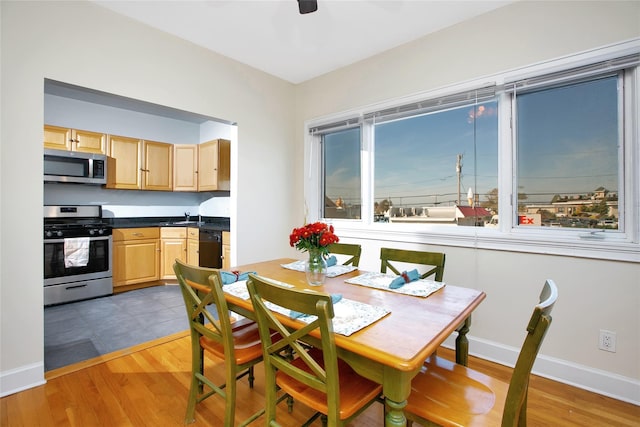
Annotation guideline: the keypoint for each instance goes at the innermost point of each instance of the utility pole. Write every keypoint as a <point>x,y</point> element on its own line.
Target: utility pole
<point>459,173</point>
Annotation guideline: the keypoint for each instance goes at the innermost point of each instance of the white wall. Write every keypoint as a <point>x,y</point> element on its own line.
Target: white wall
<point>594,294</point>
<point>141,63</point>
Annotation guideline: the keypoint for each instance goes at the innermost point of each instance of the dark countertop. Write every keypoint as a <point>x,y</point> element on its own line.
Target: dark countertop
<point>208,223</point>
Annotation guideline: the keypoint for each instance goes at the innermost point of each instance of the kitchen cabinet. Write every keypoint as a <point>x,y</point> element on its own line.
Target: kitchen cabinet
<point>185,167</point>
<point>124,162</point>
<point>214,165</point>
<point>157,166</point>
<point>60,138</point>
<point>173,245</point>
<point>193,246</point>
<point>134,164</point>
<point>226,250</point>
<point>136,255</point>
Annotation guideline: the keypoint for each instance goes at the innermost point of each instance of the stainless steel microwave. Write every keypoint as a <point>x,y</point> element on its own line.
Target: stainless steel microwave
<point>74,166</point>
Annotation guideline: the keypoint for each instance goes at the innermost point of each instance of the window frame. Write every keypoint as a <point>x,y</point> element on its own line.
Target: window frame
<point>623,245</point>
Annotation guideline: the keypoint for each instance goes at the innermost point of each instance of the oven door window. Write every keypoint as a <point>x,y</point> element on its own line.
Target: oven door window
<point>54,258</point>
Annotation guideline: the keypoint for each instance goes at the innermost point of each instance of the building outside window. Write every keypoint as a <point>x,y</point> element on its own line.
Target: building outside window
<point>569,143</point>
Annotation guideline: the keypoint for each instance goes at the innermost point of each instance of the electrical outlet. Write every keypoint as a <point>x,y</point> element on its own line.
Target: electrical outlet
<point>607,341</point>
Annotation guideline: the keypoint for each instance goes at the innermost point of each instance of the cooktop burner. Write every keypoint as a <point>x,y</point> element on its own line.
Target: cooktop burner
<point>74,221</point>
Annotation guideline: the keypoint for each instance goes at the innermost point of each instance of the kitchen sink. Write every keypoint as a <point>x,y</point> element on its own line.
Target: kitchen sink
<point>169,224</point>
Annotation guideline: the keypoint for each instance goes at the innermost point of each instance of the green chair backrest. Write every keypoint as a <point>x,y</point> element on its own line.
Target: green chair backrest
<point>322,378</point>
<point>435,259</point>
<point>347,249</point>
<point>201,287</point>
<point>515,408</point>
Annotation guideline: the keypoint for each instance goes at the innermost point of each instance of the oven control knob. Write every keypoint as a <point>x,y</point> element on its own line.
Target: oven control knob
<point>101,231</point>
<point>49,234</point>
<point>59,233</point>
<point>92,231</point>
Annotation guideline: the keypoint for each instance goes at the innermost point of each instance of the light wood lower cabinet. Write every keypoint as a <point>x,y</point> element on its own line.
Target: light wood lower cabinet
<point>193,246</point>
<point>226,250</point>
<point>136,255</point>
<point>173,245</point>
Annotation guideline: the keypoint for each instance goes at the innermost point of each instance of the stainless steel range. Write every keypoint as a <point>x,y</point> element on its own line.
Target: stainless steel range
<point>77,254</point>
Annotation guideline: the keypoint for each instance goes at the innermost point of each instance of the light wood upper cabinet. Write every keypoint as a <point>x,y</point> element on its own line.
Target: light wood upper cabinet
<point>124,163</point>
<point>157,167</point>
<point>214,165</point>
<point>185,167</point>
<point>59,138</point>
<point>134,164</point>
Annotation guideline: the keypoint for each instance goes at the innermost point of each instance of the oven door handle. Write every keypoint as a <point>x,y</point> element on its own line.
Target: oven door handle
<point>91,238</point>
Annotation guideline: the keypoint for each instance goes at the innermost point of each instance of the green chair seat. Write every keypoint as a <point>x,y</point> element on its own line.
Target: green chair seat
<point>449,394</point>
<point>315,377</point>
<point>238,344</point>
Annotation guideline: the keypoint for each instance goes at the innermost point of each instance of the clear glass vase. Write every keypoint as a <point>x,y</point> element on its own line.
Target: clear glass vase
<point>315,268</point>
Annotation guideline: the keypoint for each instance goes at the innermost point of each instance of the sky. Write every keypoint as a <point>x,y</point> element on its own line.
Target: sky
<point>567,144</point>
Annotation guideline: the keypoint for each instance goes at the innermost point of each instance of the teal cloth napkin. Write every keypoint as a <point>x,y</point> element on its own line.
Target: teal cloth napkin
<point>229,277</point>
<point>335,298</point>
<point>405,277</point>
<point>332,260</point>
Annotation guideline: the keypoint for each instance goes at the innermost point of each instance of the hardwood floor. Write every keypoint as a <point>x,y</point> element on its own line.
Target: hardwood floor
<point>147,386</point>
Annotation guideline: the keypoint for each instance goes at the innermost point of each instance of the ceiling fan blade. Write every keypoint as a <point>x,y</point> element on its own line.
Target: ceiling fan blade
<point>307,6</point>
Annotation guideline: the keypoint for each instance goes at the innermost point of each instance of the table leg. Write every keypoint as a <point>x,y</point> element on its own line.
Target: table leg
<point>394,413</point>
<point>396,387</point>
<point>462,343</point>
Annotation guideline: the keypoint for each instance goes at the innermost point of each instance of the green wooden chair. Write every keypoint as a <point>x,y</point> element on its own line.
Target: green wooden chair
<point>238,344</point>
<point>434,259</point>
<point>352,250</point>
<point>315,377</point>
<point>448,394</point>
<point>391,259</point>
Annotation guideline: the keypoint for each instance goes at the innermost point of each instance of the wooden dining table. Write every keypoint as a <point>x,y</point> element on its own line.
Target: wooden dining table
<point>392,350</point>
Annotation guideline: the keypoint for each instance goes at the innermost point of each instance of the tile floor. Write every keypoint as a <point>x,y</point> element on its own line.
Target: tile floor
<point>82,330</point>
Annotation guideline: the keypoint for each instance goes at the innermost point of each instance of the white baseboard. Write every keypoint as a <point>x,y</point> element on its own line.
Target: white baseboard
<point>584,377</point>
<point>22,378</point>
<point>594,380</point>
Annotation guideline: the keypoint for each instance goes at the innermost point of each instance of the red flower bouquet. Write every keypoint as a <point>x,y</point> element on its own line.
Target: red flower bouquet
<point>313,237</point>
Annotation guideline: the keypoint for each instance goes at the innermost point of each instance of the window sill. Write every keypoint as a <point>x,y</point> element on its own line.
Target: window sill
<point>569,244</point>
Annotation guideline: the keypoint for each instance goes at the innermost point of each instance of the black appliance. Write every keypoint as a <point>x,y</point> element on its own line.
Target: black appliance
<point>74,166</point>
<point>77,254</point>
<point>210,248</point>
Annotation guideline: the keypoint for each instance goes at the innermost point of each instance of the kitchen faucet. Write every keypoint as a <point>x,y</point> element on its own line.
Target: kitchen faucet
<point>187,215</point>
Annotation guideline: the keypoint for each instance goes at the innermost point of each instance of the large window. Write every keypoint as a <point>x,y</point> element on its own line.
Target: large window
<point>341,174</point>
<point>569,148</point>
<point>437,167</point>
<point>551,155</point>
